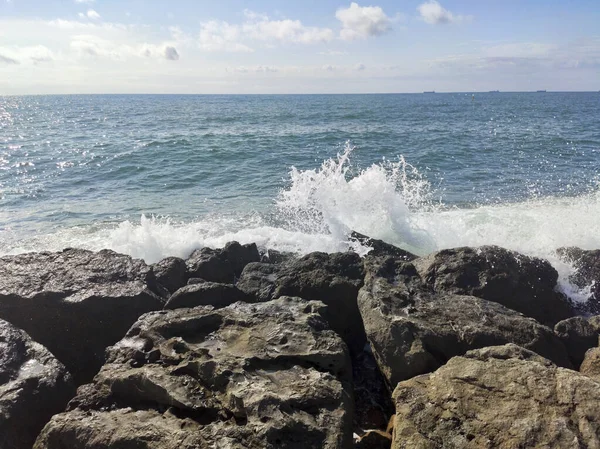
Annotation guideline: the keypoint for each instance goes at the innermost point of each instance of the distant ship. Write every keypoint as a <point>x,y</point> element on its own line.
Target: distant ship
<point>541,90</point>
<point>429,92</point>
<point>494,91</point>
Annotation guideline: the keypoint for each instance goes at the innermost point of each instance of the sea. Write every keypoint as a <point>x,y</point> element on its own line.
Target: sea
<point>161,175</point>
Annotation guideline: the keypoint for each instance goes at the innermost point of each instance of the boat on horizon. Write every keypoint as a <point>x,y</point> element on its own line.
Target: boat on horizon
<point>429,92</point>
<point>541,90</point>
<point>494,91</point>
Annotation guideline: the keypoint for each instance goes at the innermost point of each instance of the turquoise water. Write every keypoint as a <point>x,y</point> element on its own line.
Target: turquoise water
<point>154,176</point>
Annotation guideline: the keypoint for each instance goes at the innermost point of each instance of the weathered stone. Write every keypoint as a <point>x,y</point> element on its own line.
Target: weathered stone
<point>221,265</point>
<point>503,397</point>
<point>381,248</point>
<point>413,331</point>
<point>259,280</point>
<point>276,257</point>
<point>374,439</point>
<point>76,302</point>
<point>586,275</point>
<point>578,335</point>
<point>171,273</point>
<point>33,387</point>
<point>252,376</point>
<point>522,283</point>
<point>591,364</point>
<point>205,294</point>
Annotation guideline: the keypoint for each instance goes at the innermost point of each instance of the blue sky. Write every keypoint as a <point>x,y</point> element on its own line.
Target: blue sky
<point>269,46</point>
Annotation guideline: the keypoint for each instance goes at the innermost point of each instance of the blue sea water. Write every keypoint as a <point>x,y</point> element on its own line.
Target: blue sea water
<point>154,175</point>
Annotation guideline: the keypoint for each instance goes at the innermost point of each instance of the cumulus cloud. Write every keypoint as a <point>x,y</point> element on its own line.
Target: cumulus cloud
<point>360,67</point>
<point>434,14</point>
<point>333,53</point>
<point>171,54</point>
<point>7,60</point>
<point>329,67</point>
<point>91,14</point>
<point>221,36</point>
<point>360,22</point>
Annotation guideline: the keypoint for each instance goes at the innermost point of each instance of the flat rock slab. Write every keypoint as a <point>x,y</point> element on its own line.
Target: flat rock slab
<point>413,330</point>
<point>33,387</point>
<point>267,375</point>
<point>76,302</point>
<point>499,397</point>
<point>206,294</point>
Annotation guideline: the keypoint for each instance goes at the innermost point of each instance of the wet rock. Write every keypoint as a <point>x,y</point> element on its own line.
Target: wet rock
<point>267,375</point>
<point>414,331</point>
<point>221,265</point>
<point>259,280</point>
<point>522,283</point>
<point>76,302</point>
<point>502,397</point>
<point>381,248</point>
<point>33,387</point>
<point>205,294</point>
<point>578,335</point>
<point>276,257</point>
<point>171,273</point>
<point>587,275</point>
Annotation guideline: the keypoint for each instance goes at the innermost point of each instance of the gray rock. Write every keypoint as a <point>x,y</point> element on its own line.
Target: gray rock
<point>276,257</point>
<point>413,331</point>
<point>267,375</point>
<point>33,387</point>
<point>578,335</point>
<point>259,279</point>
<point>221,265</point>
<point>76,302</point>
<point>522,283</point>
<point>591,364</point>
<point>503,397</point>
<point>171,273</point>
<point>381,248</point>
<point>205,294</point>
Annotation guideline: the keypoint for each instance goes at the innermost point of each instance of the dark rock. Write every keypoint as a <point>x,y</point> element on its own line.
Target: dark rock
<point>205,294</point>
<point>522,283</point>
<point>33,387</point>
<point>253,376</point>
<point>381,248</point>
<point>171,273</point>
<point>76,302</point>
<point>374,439</point>
<point>259,280</point>
<point>276,257</point>
<point>413,331</point>
<point>578,335</point>
<point>587,275</point>
<point>502,397</point>
<point>193,281</point>
<point>221,265</point>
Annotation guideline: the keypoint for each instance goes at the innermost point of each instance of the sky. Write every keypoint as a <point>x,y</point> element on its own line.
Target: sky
<point>308,46</point>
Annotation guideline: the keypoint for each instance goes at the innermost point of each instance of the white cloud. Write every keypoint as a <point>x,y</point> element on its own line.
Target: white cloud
<point>360,22</point>
<point>7,60</point>
<point>360,67</point>
<point>221,36</point>
<point>329,68</point>
<point>93,14</point>
<point>171,53</point>
<point>434,14</point>
<point>85,1</point>
<point>333,53</point>
<point>35,54</point>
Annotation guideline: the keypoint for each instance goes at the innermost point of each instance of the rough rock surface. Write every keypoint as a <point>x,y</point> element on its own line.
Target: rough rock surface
<point>205,294</point>
<point>522,283</point>
<point>333,279</point>
<point>33,387</point>
<point>374,439</point>
<point>76,302</point>
<point>381,248</point>
<point>171,273</point>
<point>221,265</point>
<point>252,376</point>
<point>587,275</point>
<point>414,331</point>
<point>591,364</point>
<point>578,335</point>
<point>500,397</point>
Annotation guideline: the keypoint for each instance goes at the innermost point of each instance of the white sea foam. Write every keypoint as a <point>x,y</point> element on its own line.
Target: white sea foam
<point>389,201</point>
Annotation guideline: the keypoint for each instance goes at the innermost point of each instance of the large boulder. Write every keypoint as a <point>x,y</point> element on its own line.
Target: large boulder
<point>333,279</point>
<point>205,294</point>
<point>500,397</point>
<point>414,331</point>
<point>33,387</point>
<point>578,334</point>
<point>221,265</point>
<point>591,364</point>
<point>171,273</point>
<point>522,283</point>
<point>586,275</point>
<point>267,375</point>
<point>381,248</point>
<point>76,302</point>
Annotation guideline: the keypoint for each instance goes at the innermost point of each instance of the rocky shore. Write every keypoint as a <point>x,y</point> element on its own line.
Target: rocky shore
<point>234,348</point>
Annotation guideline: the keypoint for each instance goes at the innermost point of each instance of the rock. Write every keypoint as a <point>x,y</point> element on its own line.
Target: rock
<point>414,331</point>
<point>374,439</point>
<point>276,257</point>
<point>333,279</point>
<point>578,335</point>
<point>504,397</point>
<point>381,248</point>
<point>33,387</point>
<point>522,283</point>
<point>221,265</point>
<point>591,364</point>
<point>76,302</point>
<point>587,275</point>
<point>205,294</point>
<point>171,273</point>
<point>267,375</point>
<point>192,281</point>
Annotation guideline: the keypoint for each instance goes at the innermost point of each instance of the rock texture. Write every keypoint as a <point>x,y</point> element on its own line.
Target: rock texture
<point>267,375</point>
<point>171,273</point>
<point>499,397</point>
<point>221,265</point>
<point>206,294</point>
<point>76,302</point>
<point>33,387</point>
<point>522,283</point>
<point>591,364</point>
<point>413,330</point>
<point>587,275</point>
<point>578,335</point>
